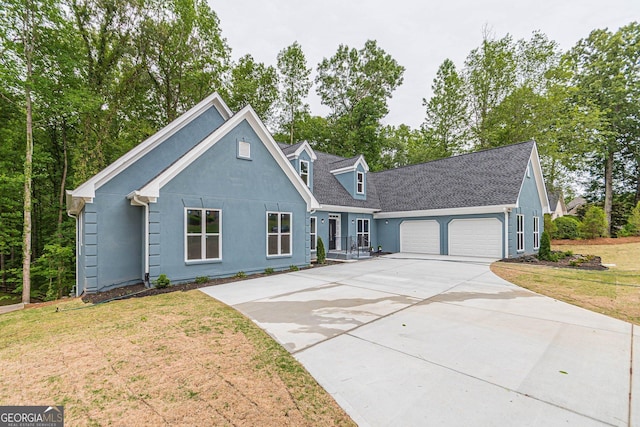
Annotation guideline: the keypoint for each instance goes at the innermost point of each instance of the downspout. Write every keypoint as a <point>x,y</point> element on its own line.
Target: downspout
<point>77,250</point>
<point>506,232</point>
<point>146,238</point>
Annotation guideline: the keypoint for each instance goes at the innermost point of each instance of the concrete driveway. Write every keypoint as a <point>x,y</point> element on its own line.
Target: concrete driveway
<point>408,340</point>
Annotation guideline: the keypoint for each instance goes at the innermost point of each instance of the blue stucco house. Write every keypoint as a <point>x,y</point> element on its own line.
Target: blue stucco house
<point>213,194</point>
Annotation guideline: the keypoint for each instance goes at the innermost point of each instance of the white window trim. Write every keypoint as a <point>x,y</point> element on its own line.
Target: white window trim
<point>536,232</point>
<point>279,234</point>
<point>368,232</point>
<point>313,233</point>
<point>359,182</point>
<point>307,174</point>
<point>520,232</point>
<point>203,247</point>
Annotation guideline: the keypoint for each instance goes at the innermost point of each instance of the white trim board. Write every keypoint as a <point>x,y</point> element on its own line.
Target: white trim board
<point>151,191</point>
<point>86,191</point>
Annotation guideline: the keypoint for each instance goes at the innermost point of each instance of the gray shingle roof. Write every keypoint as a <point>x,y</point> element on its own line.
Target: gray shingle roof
<point>484,178</point>
<point>344,163</point>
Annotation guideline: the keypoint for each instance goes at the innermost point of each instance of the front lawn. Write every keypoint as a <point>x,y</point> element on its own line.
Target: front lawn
<point>614,292</point>
<point>174,359</point>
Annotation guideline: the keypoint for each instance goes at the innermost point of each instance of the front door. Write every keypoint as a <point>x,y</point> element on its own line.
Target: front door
<point>334,232</point>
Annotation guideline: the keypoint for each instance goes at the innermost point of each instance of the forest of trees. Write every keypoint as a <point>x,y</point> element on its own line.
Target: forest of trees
<point>84,81</point>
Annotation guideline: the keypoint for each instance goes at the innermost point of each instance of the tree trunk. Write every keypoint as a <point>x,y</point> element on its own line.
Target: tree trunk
<point>608,188</point>
<point>63,181</point>
<point>28,162</point>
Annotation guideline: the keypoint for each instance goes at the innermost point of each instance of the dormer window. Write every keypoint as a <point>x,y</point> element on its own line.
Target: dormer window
<point>360,183</point>
<point>304,171</point>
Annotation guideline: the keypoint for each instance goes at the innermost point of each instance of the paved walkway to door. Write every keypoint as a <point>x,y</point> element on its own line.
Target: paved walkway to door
<point>425,340</point>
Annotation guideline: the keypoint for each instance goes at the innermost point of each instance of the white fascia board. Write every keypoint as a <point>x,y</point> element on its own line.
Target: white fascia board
<point>441,212</point>
<point>353,167</point>
<point>152,189</point>
<point>348,209</point>
<point>88,188</point>
<point>303,147</point>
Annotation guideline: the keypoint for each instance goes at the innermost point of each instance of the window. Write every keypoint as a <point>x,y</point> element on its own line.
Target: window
<point>360,183</point>
<point>314,233</point>
<point>536,232</point>
<point>363,233</point>
<point>304,171</point>
<point>278,233</point>
<point>244,150</point>
<point>203,232</point>
<point>520,232</point>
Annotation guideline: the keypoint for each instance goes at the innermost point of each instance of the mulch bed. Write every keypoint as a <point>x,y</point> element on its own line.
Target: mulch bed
<point>575,261</point>
<point>598,241</point>
<point>140,290</point>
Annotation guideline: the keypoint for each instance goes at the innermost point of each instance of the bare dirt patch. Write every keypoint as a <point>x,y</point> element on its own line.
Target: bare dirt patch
<point>175,359</point>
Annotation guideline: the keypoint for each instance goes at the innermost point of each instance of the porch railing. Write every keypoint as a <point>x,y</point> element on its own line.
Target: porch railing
<point>352,246</point>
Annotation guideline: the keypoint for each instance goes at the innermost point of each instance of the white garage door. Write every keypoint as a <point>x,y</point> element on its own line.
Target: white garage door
<point>422,237</point>
<point>476,237</point>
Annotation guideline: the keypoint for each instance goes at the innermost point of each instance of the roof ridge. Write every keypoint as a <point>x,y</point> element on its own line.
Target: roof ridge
<point>457,156</point>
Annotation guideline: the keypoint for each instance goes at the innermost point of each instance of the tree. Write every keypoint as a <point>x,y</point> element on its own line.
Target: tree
<point>355,85</point>
<point>294,86</point>
<point>253,83</point>
<point>447,121</point>
<point>491,76</point>
<point>183,53</point>
<point>632,227</point>
<point>594,224</point>
<point>606,70</point>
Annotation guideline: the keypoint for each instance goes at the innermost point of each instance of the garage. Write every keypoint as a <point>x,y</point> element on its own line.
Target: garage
<point>422,237</point>
<point>476,237</point>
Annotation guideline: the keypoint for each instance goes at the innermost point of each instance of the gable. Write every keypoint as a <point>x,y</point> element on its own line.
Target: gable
<point>247,116</point>
<point>213,105</point>
<point>533,173</point>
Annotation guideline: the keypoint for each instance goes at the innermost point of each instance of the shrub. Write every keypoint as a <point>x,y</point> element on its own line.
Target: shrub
<point>162,281</point>
<point>632,227</point>
<point>321,254</point>
<point>550,226</point>
<point>268,270</point>
<point>200,280</point>
<point>567,227</point>
<point>594,223</point>
<point>545,246</point>
<point>293,268</point>
<point>240,275</point>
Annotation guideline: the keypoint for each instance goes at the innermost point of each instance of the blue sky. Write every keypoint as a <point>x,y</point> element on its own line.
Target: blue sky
<point>418,34</point>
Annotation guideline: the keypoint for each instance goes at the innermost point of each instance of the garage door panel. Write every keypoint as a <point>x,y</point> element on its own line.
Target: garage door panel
<point>476,237</point>
<point>420,237</point>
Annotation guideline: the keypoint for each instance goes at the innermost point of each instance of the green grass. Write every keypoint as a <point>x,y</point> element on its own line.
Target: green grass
<point>614,292</point>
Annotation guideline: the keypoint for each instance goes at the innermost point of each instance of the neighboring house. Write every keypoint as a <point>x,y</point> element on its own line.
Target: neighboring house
<point>556,204</point>
<point>574,205</point>
<point>213,194</point>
